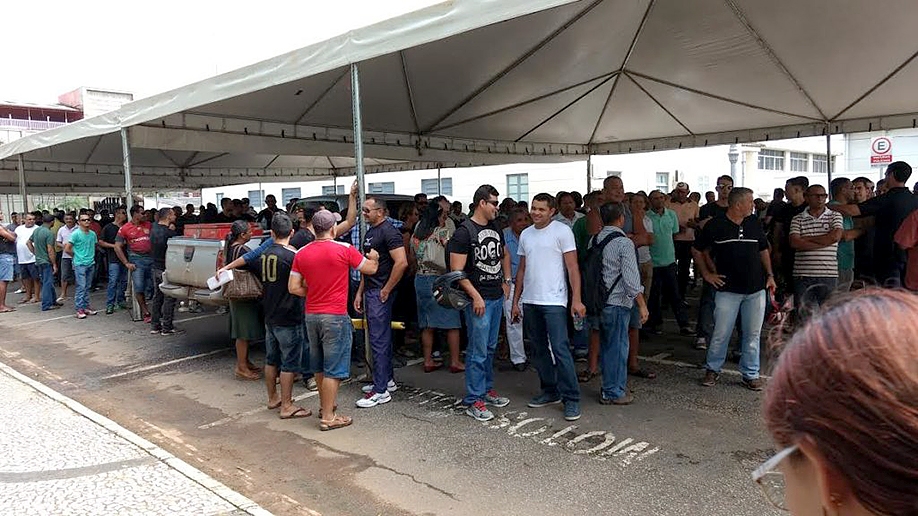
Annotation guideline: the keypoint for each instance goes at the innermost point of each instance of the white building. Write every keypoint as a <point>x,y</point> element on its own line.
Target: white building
<point>762,167</point>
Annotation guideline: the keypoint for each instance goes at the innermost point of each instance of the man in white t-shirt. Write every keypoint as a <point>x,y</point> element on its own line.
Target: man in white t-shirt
<point>63,236</point>
<point>30,278</point>
<point>548,260</point>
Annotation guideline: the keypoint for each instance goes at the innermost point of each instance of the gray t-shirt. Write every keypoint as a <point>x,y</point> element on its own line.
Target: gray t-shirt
<point>7,247</point>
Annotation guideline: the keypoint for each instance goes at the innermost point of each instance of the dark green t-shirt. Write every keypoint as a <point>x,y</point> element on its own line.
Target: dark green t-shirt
<point>41,238</point>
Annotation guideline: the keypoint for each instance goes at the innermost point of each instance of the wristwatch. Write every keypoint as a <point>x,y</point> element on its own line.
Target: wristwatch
<point>508,281</point>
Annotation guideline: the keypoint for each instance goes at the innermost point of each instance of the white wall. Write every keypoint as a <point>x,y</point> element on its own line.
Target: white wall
<point>857,152</point>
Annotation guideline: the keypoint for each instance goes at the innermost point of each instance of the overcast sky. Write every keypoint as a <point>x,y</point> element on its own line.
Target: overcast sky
<point>54,46</point>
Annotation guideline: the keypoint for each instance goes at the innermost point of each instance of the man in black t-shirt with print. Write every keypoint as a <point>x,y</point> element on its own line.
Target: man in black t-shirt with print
<point>117,272</point>
<point>477,248</point>
<point>732,253</point>
<point>380,296</point>
<point>285,348</point>
<point>163,307</point>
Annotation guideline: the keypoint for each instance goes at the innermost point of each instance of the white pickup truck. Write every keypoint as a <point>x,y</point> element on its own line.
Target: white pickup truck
<point>193,258</point>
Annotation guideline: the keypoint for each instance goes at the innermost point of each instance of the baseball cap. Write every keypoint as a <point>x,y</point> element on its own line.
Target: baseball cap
<point>682,186</point>
<point>323,220</point>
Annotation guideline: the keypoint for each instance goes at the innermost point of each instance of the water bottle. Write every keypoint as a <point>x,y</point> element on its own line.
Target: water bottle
<point>578,323</point>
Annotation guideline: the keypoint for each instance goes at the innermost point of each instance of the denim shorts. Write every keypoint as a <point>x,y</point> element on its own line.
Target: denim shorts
<point>330,339</point>
<point>67,270</point>
<point>6,267</point>
<point>430,313</point>
<point>635,322</point>
<point>284,346</point>
<point>29,271</point>
<point>143,274</point>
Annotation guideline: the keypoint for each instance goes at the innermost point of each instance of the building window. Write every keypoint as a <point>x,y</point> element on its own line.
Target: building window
<point>256,198</point>
<point>799,162</point>
<point>219,198</point>
<point>662,182</point>
<point>518,187</point>
<point>334,190</point>
<point>820,165</point>
<point>771,159</point>
<point>429,186</point>
<point>613,173</point>
<point>380,188</point>
<point>288,194</point>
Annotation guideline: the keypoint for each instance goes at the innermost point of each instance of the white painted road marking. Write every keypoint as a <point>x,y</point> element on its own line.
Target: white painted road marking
<point>597,444</point>
<point>164,364</point>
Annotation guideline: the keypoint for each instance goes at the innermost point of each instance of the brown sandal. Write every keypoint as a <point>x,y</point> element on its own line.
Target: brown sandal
<point>334,424</point>
<point>250,377</point>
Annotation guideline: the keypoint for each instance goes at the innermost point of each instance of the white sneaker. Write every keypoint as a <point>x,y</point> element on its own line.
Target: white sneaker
<point>371,399</point>
<point>391,387</point>
<point>20,291</point>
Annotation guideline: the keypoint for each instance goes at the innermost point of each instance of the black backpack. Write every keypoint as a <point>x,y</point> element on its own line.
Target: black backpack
<point>595,292</point>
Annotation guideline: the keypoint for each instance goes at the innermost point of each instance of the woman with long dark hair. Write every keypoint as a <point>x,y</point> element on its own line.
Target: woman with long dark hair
<point>842,407</point>
<point>429,240</point>
<point>246,319</point>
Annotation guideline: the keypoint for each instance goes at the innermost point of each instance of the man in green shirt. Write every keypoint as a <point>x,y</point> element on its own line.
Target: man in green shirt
<point>41,244</point>
<point>663,252</point>
<point>82,246</point>
<point>843,193</point>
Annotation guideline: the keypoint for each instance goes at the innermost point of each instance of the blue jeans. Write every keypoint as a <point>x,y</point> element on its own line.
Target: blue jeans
<point>613,351</point>
<point>143,274</point>
<point>551,353</point>
<point>48,295</point>
<point>379,321</point>
<point>751,308</point>
<point>479,356</point>
<point>117,283</point>
<point>83,275</point>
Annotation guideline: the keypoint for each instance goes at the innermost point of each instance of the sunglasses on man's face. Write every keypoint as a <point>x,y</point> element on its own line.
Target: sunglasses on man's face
<point>84,220</point>
<point>493,203</point>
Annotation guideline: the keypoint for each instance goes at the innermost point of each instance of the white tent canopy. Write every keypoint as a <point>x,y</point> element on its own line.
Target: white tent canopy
<point>472,82</point>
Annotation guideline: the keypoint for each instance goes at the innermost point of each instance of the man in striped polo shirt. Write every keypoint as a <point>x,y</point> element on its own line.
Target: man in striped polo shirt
<point>815,233</point>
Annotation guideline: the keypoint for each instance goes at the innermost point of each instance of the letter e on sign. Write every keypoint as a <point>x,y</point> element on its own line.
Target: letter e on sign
<point>880,151</point>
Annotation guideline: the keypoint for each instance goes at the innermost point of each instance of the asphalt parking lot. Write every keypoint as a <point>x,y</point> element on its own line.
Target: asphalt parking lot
<point>679,449</point>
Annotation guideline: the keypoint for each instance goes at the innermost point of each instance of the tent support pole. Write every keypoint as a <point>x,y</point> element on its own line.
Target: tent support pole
<point>128,183</point>
<point>829,153</point>
<point>439,183</point>
<point>22,185</point>
<point>361,193</point>
<point>589,187</point>
<point>129,202</point>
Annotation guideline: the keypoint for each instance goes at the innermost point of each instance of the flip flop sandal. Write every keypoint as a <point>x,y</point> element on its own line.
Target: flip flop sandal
<point>334,424</point>
<point>247,378</point>
<point>276,405</point>
<point>7,310</point>
<point>320,410</point>
<point>641,373</point>
<point>585,376</point>
<point>299,413</point>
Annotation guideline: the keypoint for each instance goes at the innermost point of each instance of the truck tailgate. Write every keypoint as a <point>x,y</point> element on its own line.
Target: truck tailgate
<point>190,261</point>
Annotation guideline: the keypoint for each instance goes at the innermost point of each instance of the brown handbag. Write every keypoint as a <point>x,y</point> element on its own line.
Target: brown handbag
<point>244,286</point>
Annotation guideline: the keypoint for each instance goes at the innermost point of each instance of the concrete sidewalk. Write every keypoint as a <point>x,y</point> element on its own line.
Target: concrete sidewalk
<point>59,457</point>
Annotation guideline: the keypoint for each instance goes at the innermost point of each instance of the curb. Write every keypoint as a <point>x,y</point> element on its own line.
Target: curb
<point>239,501</point>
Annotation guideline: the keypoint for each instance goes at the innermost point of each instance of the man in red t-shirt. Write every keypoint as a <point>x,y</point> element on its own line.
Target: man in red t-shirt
<point>136,236</point>
<point>321,269</point>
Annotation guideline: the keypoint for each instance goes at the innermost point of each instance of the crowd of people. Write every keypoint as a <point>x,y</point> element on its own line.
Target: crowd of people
<point>564,279</point>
